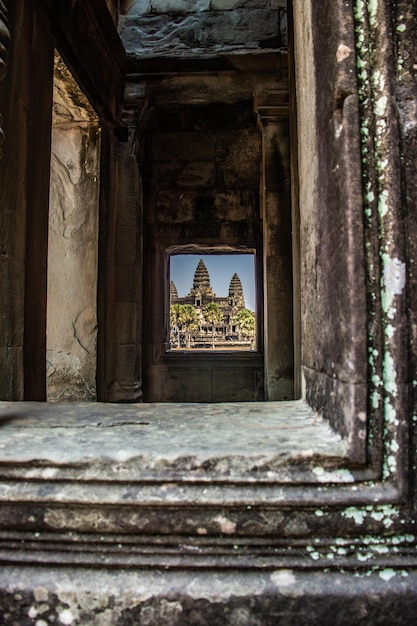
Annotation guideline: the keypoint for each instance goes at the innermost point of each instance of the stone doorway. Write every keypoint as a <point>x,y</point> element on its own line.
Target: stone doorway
<point>204,165</point>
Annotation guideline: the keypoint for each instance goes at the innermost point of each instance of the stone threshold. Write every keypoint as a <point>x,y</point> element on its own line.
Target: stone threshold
<point>244,441</point>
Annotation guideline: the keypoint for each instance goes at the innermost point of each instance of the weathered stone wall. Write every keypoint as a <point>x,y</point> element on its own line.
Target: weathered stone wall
<point>170,28</point>
<point>204,168</point>
<point>333,290</point>
<point>72,243</point>
<point>406,101</point>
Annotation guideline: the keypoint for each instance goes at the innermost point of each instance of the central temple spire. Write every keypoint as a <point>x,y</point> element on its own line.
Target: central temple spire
<point>201,282</point>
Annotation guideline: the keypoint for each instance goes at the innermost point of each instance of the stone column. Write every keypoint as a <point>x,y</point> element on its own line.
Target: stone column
<point>277,263</point>
<point>4,45</point>
<point>124,351</point>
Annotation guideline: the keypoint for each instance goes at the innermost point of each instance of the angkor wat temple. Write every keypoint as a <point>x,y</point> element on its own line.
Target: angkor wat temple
<point>228,332</point>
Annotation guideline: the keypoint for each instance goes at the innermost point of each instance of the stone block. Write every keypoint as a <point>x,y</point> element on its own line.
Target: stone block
<point>135,7</point>
<point>236,385</point>
<point>197,175</point>
<point>11,373</point>
<point>126,363</point>
<point>126,284</point>
<point>241,29</point>
<point>184,146</point>
<point>129,190</point>
<point>244,175</point>
<point>174,174</point>
<point>174,207</point>
<point>213,117</point>
<point>185,384</point>
<point>238,146</point>
<point>11,319</point>
<point>165,174</point>
<point>217,206</point>
<point>126,248</point>
<point>231,5</point>
<point>179,6</point>
<point>126,323</point>
<point>69,378</point>
<point>187,596</point>
<point>235,205</point>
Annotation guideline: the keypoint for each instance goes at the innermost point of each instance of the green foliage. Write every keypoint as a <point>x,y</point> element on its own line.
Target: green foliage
<point>176,315</point>
<point>183,319</point>
<point>213,315</point>
<point>245,319</point>
<point>189,316</point>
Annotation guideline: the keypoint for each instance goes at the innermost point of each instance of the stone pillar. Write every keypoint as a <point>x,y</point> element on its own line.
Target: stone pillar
<point>4,45</point>
<point>124,352</point>
<point>277,262</point>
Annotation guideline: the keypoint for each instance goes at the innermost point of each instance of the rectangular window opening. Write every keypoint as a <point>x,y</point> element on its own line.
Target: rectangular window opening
<point>212,303</point>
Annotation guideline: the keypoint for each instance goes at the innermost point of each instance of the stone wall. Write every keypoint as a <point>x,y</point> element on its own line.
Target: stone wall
<point>72,243</point>
<point>170,28</point>
<point>333,298</point>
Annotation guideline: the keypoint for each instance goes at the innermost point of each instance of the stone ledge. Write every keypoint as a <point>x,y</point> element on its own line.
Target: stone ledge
<point>136,551</point>
<point>284,596</point>
<point>187,469</point>
<point>225,442</point>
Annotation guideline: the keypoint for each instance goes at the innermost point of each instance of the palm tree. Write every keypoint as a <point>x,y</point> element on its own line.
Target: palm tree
<point>176,318</point>
<point>213,315</point>
<point>245,320</point>
<point>189,321</point>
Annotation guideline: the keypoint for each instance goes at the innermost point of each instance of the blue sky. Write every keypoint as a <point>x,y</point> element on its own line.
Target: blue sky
<point>221,268</point>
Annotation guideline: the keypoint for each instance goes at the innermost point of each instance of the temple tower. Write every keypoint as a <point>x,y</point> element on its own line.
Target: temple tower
<point>201,282</point>
<point>236,297</point>
<point>173,292</point>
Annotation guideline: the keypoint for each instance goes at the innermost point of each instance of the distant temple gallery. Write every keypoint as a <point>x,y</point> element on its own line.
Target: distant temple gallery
<point>203,320</point>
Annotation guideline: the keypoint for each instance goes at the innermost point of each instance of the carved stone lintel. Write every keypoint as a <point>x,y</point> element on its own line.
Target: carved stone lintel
<point>4,47</point>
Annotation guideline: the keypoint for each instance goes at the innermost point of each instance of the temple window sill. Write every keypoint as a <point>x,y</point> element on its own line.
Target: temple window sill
<point>242,442</point>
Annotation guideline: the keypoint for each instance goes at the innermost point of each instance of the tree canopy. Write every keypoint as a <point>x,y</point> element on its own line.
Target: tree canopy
<point>213,315</point>
<point>183,319</point>
<point>245,319</point>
